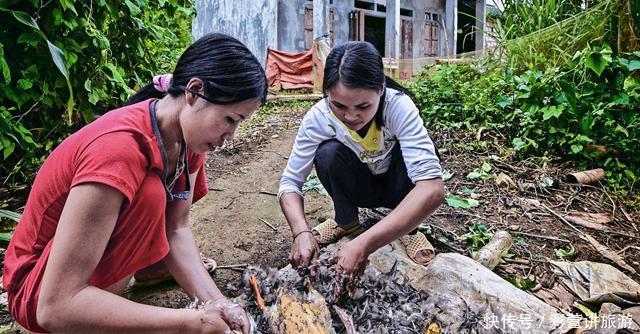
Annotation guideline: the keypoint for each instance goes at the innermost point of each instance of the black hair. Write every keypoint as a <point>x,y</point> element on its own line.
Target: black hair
<point>229,71</point>
<point>358,64</point>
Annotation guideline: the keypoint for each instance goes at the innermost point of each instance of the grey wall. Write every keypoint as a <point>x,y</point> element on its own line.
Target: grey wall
<point>254,22</point>
<point>341,9</point>
<point>291,25</point>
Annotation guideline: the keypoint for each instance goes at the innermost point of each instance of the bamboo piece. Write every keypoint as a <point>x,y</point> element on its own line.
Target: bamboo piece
<point>586,177</point>
<point>489,255</point>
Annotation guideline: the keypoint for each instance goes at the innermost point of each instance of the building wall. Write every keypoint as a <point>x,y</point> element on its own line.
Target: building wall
<point>254,22</point>
<point>291,25</point>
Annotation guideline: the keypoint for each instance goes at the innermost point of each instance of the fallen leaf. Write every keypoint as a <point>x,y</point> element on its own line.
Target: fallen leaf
<point>608,253</point>
<point>457,202</point>
<point>594,221</point>
<point>503,180</point>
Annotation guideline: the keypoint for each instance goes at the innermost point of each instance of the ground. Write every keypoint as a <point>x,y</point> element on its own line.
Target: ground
<point>231,223</point>
<point>240,223</point>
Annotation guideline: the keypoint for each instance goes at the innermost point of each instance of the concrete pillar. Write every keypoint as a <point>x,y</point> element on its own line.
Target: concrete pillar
<point>341,11</point>
<point>392,30</point>
<point>320,18</point>
<point>481,20</point>
<point>451,27</point>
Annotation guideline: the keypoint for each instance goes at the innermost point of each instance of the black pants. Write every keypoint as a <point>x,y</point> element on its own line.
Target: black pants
<point>351,184</point>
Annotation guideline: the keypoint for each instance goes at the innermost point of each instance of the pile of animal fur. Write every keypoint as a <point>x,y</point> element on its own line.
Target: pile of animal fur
<point>285,302</point>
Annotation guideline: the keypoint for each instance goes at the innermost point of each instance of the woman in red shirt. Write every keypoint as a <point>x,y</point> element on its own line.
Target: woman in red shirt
<point>114,199</point>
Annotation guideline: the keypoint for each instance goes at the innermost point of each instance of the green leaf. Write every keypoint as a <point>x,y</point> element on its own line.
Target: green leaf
<point>446,175</point>
<point>135,10</point>
<point>87,85</point>
<point>467,192</point>
<point>474,175</point>
<point>518,144</point>
<point>6,72</point>
<point>67,4</point>
<point>561,253</point>
<point>630,84</point>
<point>521,283</point>
<point>29,38</point>
<point>25,84</point>
<point>24,18</point>
<point>504,101</point>
<point>552,111</point>
<point>10,214</point>
<point>58,58</point>
<point>597,62</point>
<point>576,148</point>
<point>457,202</point>
<point>486,167</point>
<point>623,130</point>
<point>634,65</point>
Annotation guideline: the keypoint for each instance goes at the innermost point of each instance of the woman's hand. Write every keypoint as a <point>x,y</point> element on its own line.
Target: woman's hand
<point>304,251</point>
<point>350,261</point>
<point>209,321</point>
<point>232,315</point>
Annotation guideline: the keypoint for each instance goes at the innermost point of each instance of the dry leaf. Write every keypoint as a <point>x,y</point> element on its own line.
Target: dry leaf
<point>595,221</point>
<point>503,180</point>
<point>608,253</point>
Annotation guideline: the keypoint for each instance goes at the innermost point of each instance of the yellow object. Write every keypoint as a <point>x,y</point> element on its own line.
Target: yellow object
<point>433,328</point>
<point>372,140</point>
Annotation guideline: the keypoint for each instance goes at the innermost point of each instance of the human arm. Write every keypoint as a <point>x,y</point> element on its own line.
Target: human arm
<point>185,264</point>
<point>304,248</point>
<point>67,303</point>
<point>421,202</point>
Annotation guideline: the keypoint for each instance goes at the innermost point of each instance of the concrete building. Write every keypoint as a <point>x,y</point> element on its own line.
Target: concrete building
<point>415,30</point>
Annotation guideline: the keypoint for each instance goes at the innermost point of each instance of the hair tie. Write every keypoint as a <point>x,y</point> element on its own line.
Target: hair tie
<point>162,82</point>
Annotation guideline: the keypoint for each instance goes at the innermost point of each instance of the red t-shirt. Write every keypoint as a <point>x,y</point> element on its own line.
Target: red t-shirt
<point>120,150</point>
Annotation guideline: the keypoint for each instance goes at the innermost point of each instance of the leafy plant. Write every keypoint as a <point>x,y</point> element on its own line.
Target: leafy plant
<point>313,183</point>
<point>482,172</point>
<point>477,236</point>
<point>584,111</point>
<point>71,60</point>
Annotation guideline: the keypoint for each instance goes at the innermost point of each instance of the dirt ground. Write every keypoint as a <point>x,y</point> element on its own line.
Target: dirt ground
<point>232,223</point>
<point>240,223</point>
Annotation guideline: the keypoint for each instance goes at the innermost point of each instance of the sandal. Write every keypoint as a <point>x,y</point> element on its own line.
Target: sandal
<point>416,243</point>
<point>329,231</point>
<point>209,264</point>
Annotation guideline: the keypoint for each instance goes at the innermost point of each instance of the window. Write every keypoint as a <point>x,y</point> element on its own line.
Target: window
<point>406,12</point>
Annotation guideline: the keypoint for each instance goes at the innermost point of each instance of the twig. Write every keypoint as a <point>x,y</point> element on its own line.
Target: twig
<point>255,287</point>
<point>231,266</point>
<point>562,219</point>
<point>542,236</point>
<point>216,189</point>
<point>444,230</point>
<point>266,222</point>
<point>228,205</point>
<point>465,214</point>
<point>268,193</point>
<point>625,249</point>
<point>626,215</point>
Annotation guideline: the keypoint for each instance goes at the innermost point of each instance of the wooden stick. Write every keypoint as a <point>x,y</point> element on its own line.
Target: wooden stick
<point>253,282</point>
<point>541,236</point>
<point>562,219</point>
<point>268,193</point>
<point>229,266</point>
<point>266,222</point>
